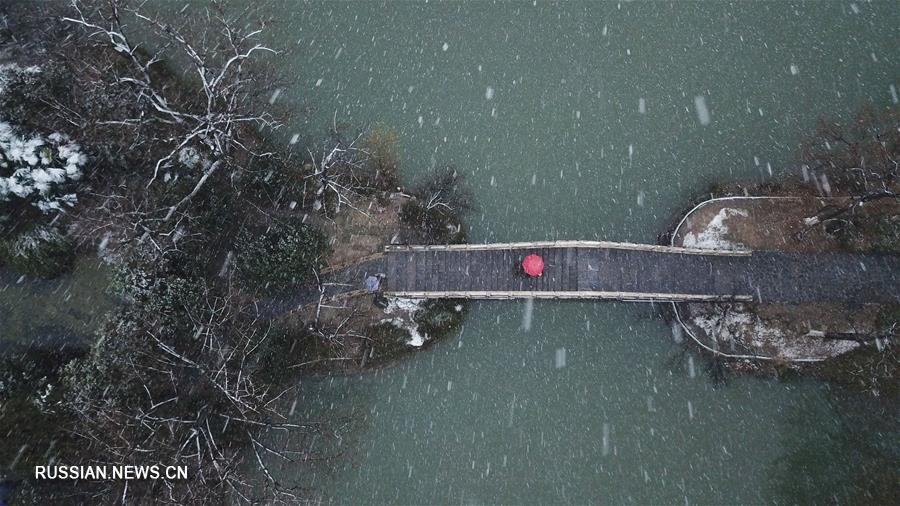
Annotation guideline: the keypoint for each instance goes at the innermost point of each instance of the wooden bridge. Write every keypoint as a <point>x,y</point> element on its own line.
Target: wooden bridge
<point>610,270</point>
<point>635,272</point>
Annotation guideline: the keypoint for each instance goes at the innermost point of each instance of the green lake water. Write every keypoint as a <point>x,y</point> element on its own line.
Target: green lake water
<point>53,312</point>
<point>580,121</point>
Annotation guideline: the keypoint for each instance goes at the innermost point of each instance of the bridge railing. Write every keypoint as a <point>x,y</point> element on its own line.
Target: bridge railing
<point>566,244</point>
<point>582,294</point>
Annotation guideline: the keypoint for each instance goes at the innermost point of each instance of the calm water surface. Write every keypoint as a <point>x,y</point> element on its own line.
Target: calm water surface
<point>581,121</point>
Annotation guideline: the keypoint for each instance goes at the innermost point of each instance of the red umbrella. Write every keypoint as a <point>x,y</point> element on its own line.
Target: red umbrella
<point>533,265</point>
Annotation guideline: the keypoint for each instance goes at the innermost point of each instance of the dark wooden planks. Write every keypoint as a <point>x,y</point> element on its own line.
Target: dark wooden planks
<point>559,269</point>
<point>403,261</point>
<point>428,259</point>
<point>499,272</point>
<point>567,269</point>
<point>471,270</point>
<point>571,270</point>
<point>549,267</point>
<point>780,277</point>
<point>448,270</point>
<point>460,264</point>
<point>419,269</point>
<point>474,267</point>
<point>487,270</point>
<point>541,281</point>
<point>505,270</point>
<point>410,282</point>
<point>398,282</point>
<point>390,273</point>
<point>392,280</point>
<point>585,280</point>
<point>485,267</point>
<point>439,277</point>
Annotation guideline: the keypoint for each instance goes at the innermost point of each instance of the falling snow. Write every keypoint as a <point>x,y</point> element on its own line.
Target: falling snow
<point>702,111</point>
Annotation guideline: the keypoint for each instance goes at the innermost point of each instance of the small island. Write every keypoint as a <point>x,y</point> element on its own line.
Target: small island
<point>842,199</point>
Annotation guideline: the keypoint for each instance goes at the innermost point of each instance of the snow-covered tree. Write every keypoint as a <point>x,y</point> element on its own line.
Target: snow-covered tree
<point>43,251</point>
<point>39,169</point>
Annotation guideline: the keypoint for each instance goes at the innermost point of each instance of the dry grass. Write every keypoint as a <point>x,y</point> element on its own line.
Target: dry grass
<point>777,224</point>
<point>356,235</point>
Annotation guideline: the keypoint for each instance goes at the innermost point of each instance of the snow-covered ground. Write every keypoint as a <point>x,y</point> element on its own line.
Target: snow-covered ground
<point>739,326</point>
<point>714,235</point>
<point>405,310</point>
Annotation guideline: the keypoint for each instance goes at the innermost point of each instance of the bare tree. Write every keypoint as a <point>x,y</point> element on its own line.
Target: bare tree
<point>199,401</point>
<point>862,157</point>
<point>886,334</point>
<point>340,175</point>
<point>446,190</point>
<point>202,133</point>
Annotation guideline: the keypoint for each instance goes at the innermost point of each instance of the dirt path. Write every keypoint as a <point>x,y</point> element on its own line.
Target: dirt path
<point>341,281</point>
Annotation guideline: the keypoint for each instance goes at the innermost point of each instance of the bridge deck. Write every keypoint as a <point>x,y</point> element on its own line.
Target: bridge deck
<point>639,273</point>
<point>569,272</point>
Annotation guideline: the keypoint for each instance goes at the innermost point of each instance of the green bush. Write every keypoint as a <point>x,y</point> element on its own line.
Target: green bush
<point>887,234</point>
<point>41,251</point>
<point>155,292</point>
<point>435,216</point>
<point>27,94</point>
<point>440,317</point>
<point>280,257</point>
<point>431,226</point>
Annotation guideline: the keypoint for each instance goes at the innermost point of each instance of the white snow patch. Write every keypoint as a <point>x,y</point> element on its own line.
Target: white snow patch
<point>37,168</point>
<point>405,309</point>
<point>747,329</point>
<point>713,236</point>
<point>189,157</point>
